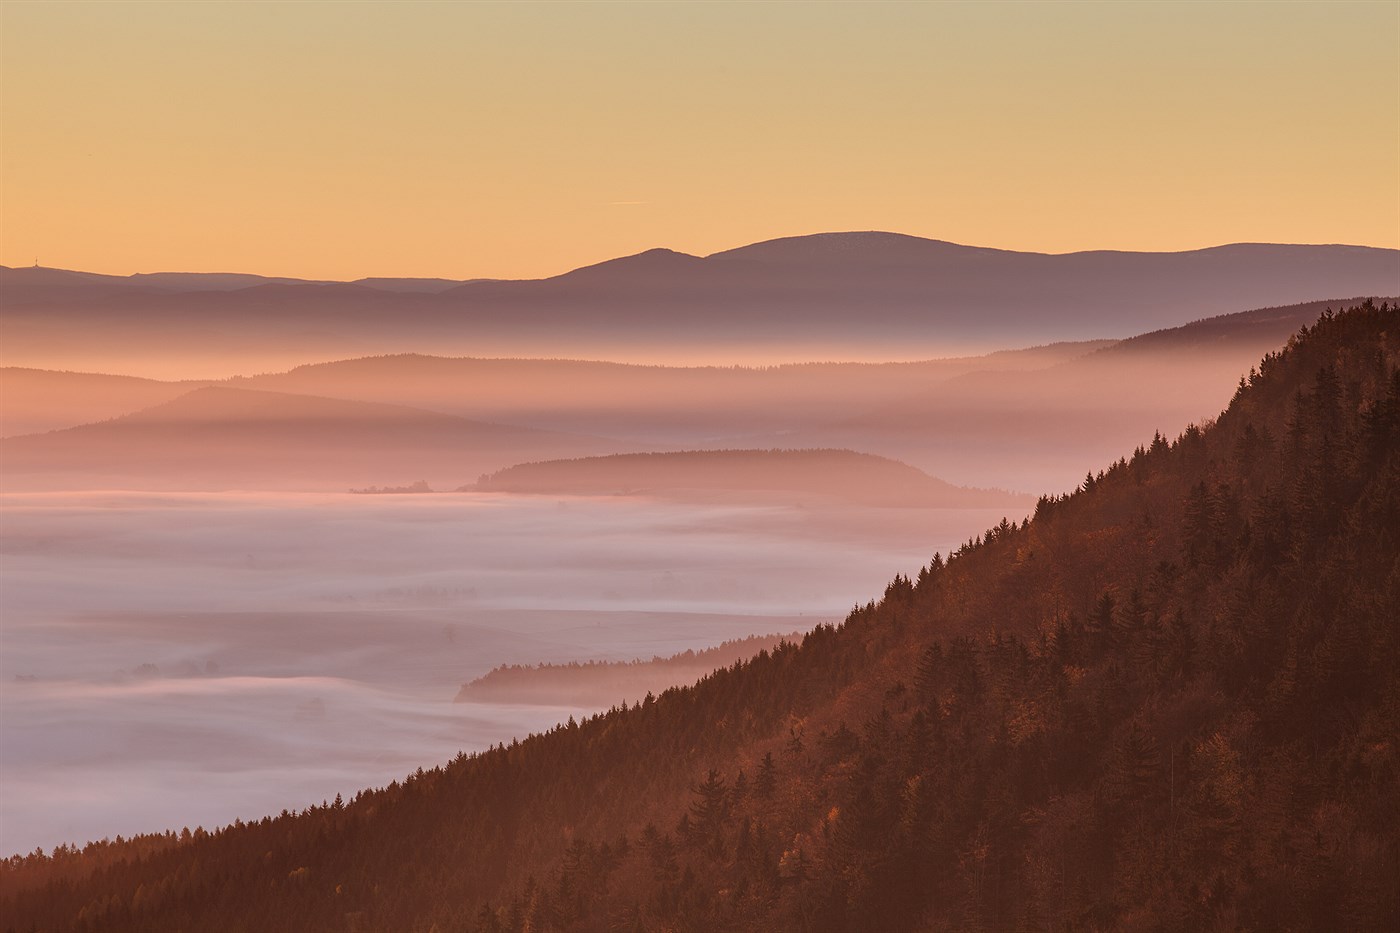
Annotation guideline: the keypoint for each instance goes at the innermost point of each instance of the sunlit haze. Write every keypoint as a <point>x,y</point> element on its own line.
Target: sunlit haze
<point>542,467</point>
<point>521,140</point>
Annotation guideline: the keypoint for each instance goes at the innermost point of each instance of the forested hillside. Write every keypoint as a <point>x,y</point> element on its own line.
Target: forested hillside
<point>1169,701</point>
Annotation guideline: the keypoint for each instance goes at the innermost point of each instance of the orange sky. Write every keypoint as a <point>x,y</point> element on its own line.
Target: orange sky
<point>341,140</point>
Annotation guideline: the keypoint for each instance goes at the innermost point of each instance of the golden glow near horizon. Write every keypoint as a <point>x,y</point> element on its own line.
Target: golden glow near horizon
<point>338,140</point>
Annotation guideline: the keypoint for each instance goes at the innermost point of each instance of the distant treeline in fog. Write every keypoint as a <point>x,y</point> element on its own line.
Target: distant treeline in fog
<point>416,486</point>
<point>599,683</point>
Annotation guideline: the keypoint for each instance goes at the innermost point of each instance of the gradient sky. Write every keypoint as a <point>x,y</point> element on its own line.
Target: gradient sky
<point>339,140</point>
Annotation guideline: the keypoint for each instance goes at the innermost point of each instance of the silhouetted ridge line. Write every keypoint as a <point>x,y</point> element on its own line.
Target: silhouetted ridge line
<point>869,294</point>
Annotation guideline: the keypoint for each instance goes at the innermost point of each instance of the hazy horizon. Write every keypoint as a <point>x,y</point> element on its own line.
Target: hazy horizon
<point>372,278</point>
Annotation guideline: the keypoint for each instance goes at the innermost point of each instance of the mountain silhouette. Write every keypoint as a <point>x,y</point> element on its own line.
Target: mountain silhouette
<point>854,294</point>
<point>36,400</point>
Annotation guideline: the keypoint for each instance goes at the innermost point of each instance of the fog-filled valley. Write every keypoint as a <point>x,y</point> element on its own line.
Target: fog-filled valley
<point>202,623</point>
<point>1154,681</point>
<point>186,659</point>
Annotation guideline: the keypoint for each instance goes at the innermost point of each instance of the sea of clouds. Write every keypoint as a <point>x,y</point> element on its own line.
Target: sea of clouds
<point>171,660</point>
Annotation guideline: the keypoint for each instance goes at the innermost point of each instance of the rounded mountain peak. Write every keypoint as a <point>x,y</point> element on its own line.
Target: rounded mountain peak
<point>657,261</point>
<point>865,247</point>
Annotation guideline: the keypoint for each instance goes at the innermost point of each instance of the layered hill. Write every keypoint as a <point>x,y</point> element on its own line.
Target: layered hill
<point>633,398</point>
<point>841,474</point>
<point>1167,701</point>
<point>862,294</point>
<point>1036,428</point>
<point>218,438</point>
<point>572,395</point>
<point>33,401</point>
<point>1019,419</point>
<point>939,415</point>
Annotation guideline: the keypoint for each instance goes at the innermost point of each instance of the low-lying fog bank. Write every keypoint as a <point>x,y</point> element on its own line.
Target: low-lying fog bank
<point>185,659</point>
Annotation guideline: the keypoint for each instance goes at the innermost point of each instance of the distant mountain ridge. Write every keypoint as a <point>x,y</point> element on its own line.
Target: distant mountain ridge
<point>865,247</point>
<point>1016,419</point>
<point>865,293</point>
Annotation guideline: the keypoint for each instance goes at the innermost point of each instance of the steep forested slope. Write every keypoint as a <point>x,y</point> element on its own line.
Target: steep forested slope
<point>1169,701</point>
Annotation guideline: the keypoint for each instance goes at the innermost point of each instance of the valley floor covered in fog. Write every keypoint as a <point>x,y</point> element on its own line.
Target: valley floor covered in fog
<point>186,659</point>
